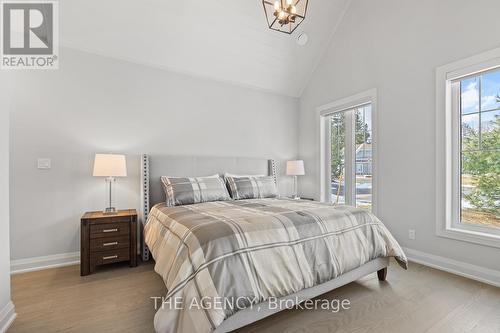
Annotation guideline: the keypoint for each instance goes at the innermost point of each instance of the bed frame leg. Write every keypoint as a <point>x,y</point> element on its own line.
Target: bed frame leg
<point>382,274</point>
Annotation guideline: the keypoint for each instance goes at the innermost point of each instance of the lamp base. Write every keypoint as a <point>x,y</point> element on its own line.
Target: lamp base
<point>110,211</point>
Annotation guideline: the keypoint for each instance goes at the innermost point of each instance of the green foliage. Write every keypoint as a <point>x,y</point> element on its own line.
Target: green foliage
<point>337,130</point>
<point>483,164</point>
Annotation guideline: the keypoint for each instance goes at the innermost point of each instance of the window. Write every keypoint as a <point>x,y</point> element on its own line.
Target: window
<point>364,162</point>
<point>479,110</point>
<point>347,151</point>
<point>468,149</point>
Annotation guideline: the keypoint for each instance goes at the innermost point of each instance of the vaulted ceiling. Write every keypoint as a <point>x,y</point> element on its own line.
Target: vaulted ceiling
<point>225,40</point>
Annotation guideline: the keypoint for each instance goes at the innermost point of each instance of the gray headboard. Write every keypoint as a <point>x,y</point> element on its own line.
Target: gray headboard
<point>155,166</point>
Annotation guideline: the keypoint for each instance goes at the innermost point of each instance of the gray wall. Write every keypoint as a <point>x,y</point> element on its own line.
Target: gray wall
<point>4,199</point>
<point>96,104</point>
<point>395,46</point>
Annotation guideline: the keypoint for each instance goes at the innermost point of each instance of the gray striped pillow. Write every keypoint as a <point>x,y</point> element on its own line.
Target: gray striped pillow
<point>186,191</point>
<point>251,187</point>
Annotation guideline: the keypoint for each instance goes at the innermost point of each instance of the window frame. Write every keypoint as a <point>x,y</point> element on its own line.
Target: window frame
<point>448,150</point>
<point>342,105</point>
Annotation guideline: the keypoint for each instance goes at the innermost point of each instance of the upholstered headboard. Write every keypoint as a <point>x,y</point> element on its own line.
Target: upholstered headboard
<point>155,166</point>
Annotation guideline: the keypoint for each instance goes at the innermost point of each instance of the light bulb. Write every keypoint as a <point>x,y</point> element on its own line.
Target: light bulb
<point>293,10</point>
<point>289,2</point>
<point>277,6</point>
<point>281,15</point>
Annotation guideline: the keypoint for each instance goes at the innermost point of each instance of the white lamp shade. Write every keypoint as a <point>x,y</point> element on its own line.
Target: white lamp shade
<point>295,168</point>
<point>110,165</point>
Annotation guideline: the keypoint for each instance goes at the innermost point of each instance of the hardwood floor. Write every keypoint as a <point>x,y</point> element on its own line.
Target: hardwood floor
<point>117,299</point>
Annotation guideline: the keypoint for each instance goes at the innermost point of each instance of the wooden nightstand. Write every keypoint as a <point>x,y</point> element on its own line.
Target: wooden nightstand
<point>107,239</point>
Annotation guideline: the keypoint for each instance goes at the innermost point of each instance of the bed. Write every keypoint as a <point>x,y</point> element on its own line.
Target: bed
<point>238,255</point>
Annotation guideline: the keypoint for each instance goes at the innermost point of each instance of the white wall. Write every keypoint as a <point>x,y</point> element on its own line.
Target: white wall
<point>96,104</point>
<point>6,308</point>
<point>395,46</point>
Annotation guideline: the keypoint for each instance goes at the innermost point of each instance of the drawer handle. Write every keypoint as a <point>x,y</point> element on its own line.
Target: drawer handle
<point>110,257</point>
<point>110,244</point>
<point>110,230</point>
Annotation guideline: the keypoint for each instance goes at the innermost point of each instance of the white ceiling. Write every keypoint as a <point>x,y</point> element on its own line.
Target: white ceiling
<point>225,40</point>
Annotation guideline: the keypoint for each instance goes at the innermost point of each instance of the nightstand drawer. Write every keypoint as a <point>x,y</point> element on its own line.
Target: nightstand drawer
<point>109,243</point>
<point>108,257</point>
<point>109,230</point>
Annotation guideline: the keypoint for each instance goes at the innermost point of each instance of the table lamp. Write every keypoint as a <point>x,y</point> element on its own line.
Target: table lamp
<point>295,168</point>
<point>110,166</point>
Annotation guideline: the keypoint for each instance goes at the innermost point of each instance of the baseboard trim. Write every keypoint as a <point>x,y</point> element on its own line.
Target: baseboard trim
<point>478,273</point>
<point>7,316</point>
<point>45,262</point>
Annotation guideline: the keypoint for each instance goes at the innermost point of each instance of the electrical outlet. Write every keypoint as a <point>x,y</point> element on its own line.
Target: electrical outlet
<point>411,234</point>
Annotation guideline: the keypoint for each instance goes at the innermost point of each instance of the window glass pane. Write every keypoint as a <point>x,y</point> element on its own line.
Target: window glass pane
<point>490,91</point>
<point>490,122</point>
<point>480,155</point>
<point>480,182</point>
<point>368,118</point>
<point>337,134</point>
<point>470,132</point>
<point>363,163</point>
<point>469,95</point>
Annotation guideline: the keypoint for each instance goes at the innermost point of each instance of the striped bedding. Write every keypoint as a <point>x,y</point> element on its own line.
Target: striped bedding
<point>257,249</point>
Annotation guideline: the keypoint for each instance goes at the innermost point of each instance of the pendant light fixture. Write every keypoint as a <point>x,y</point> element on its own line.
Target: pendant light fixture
<point>285,15</point>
